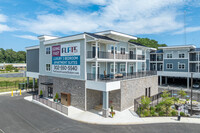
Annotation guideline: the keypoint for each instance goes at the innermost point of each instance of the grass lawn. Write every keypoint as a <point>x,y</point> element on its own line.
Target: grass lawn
<point>13,79</point>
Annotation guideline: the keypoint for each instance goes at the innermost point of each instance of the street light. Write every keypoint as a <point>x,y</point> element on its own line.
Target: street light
<point>191,93</point>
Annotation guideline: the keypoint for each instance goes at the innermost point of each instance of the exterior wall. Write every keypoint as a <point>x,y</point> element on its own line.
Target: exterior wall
<point>32,60</point>
<point>175,65</point>
<point>94,98</point>
<point>115,99</point>
<point>47,59</point>
<point>75,87</point>
<point>134,88</point>
<point>175,53</point>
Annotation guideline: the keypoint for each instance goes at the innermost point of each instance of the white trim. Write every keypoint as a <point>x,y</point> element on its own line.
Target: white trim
<point>116,67</point>
<point>33,47</point>
<point>169,64</point>
<point>124,51</point>
<point>169,54</point>
<point>46,67</point>
<point>121,67</point>
<point>49,50</point>
<point>32,74</point>
<point>181,66</point>
<point>181,46</point>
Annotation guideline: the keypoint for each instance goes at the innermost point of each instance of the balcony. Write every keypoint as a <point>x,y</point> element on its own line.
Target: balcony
<point>109,55</point>
<point>120,76</point>
<point>193,57</point>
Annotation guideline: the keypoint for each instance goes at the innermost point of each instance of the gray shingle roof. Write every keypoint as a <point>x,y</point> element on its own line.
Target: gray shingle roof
<point>138,44</point>
<point>100,37</point>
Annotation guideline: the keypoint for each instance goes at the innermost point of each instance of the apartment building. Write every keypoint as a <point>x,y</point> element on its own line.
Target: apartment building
<point>176,63</point>
<point>102,68</point>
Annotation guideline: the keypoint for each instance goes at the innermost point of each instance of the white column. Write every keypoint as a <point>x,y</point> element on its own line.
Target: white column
<point>136,65</point>
<point>188,83</point>
<point>145,65</point>
<point>114,69</point>
<point>96,56</point>
<point>126,68</point>
<point>198,62</point>
<point>106,68</point>
<point>160,80</point>
<point>105,104</point>
<point>96,70</point>
<point>114,52</point>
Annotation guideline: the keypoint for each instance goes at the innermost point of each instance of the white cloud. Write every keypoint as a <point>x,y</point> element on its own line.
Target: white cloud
<point>3,18</point>
<point>129,16</point>
<point>188,30</point>
<point>27,37</point>
<point>85,2</point>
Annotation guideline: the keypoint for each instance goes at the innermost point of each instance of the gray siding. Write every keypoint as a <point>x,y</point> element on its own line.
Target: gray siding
<point>175,65</point>
<point>147,65</point>
<point>32,60</point>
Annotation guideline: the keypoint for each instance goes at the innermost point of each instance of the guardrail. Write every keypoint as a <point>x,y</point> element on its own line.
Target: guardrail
<point>57,106</point>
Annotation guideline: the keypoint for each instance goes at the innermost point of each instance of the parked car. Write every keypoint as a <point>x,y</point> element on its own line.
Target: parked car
<point>196,86</point>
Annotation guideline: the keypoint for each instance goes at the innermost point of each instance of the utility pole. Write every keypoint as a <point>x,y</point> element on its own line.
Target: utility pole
<point>191,93</point>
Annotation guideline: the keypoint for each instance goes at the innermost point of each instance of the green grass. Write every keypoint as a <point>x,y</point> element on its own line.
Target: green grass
<point>13,79</point>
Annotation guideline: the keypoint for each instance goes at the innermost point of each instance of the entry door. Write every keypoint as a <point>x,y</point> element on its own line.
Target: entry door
<point>131,69</point>
<point>50,92</point>
<point>131,54</point>
<point>161,67</point>
<point>94,52</point>
<point>154,66</point>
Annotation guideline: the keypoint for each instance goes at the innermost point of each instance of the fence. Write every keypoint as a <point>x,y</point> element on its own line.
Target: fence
<point>155,99</point>
<point>58,106</point>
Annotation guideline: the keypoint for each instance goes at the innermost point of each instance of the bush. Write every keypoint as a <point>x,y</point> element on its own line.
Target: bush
<point>182,113</point>
<point>41,92</point>
<point>56,96</point>
<point>16,70</point>
<point>174,113</point>
<point>146,113</point>
<point>161,113</point>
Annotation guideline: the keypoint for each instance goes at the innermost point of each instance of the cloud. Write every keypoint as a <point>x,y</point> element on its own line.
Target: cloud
<point>3,18</point>
<point>188,30</point>
<point>85,2</point>
<point>27,37</point>
<point>129,16</point>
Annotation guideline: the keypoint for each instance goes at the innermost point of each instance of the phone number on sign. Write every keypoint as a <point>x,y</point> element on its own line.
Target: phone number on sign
<point>64,67</point>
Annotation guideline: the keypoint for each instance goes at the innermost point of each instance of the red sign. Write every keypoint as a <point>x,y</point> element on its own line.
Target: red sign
<point>56,50</point>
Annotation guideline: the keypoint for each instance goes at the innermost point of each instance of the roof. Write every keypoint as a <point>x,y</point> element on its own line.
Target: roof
<point>138,44</point>
<point>100,37</point>
<point>177,46</point>
<point>33,47</point>
<point>116,33</point>
<point>157,51</point>
<point>196,49</point>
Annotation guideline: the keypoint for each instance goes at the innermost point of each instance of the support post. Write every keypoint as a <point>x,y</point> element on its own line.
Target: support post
<point>96,70</point>
<point>33,83</point>
<point>105,104</point>
<point>160,80</point>
<point>165,80</point>
<point>188,83</point>
<point>27,82</point>
<point>126,69</point>
<point>191,93</point>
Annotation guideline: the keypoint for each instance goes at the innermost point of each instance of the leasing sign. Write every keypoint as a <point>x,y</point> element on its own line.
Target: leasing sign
<point>66,59</point>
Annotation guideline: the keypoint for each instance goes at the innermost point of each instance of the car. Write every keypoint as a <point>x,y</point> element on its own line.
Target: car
<point>196,86</point>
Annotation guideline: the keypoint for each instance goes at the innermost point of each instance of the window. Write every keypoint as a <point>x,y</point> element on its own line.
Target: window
<point>146,92</point>
<point>169,55</point>
<point>123,50</point>
<point>181,55</point>
<point>112,49</point>
<point>122,68</point>
<point>149,91</point>
<point>181,65</point>
<point>169,66</point>
<point>48,50</point>
<point>48,67</point>
<point>112,68</point>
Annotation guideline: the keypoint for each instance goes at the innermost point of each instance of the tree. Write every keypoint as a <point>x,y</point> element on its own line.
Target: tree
<point>182,93</point>
<point>9,67</point>
<point>145,101</point>
<point>148,42</point>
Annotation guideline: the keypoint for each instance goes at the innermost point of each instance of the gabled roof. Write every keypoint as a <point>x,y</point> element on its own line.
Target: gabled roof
<point>100,36</point>
<point>177,46</point>
<point>196,49</point>
<point>157,51</point>
<point>138,44</point>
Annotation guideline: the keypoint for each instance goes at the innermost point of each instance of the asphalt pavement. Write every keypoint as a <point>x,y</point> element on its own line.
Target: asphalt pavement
<point>20,116</point>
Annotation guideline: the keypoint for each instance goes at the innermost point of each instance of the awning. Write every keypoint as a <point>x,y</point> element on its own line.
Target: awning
<point>46,83</point>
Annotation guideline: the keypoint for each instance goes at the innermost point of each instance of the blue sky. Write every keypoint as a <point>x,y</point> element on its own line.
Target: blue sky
<point>21,21</point>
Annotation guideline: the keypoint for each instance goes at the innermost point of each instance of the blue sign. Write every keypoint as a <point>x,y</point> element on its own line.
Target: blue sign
<point>66,60</point>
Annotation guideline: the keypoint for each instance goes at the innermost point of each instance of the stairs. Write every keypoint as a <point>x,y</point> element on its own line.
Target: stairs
<point>98,107</point>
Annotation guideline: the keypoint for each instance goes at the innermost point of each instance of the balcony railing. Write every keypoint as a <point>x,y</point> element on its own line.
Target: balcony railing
<point>109,55</point>
<point>118,77</point>
<point>140,57</point>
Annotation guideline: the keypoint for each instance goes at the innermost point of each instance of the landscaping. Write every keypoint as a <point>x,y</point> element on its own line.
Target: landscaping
<point>167,106</point>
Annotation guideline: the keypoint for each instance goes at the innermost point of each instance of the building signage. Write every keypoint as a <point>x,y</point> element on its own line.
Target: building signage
<point>66,59</point>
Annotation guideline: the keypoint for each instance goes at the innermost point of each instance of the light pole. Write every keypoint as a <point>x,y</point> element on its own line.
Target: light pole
<point>191,93</point>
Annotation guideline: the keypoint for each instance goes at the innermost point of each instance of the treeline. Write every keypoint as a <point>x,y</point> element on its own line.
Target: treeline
<point>11,56</point>
<point>149,42</point>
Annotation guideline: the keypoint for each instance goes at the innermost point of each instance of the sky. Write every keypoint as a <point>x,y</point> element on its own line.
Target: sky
<point>21,21</point>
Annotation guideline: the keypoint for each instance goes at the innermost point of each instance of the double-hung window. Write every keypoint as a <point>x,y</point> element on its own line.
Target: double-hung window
<point>48,67</point>
<point>123,50</point>
<point>181,65</point>
<point>112,49</point>
<point>122,68</point>
<point>112,68</point>
<point>48,50</point>
<point>169,55</point>
<point>181,55</point>
<point>169,66</point>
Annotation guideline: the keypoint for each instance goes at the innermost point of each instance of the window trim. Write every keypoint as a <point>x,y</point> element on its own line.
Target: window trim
<point>124,68</point>
<point>181,55</point>
<point>169,64</point>
<point>49,67</point>
<point>49,50</point>
<point>124,50</point>
<point>113,68</point>
<point>169,54</point>
<point>114,49</point>
<point>181,66</point>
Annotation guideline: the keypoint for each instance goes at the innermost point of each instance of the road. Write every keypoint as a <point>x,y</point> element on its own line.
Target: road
<point>20,116</point>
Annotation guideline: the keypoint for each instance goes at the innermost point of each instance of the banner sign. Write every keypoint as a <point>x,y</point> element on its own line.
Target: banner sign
<point>66,59</point>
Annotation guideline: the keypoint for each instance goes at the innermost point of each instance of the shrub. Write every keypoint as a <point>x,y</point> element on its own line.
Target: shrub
<point>41,92</point>
<point>145,101</point>
<point>182,113</point>
<point>146,113</point>
<point>56,96</point>
<point>161,113</point>
<point>174,113</point>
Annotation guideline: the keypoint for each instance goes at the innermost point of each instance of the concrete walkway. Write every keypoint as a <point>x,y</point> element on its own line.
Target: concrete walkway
<point>121,118</point>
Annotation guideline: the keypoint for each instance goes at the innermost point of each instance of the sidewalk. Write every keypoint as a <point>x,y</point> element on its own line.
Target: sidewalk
<point>121,118</point>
